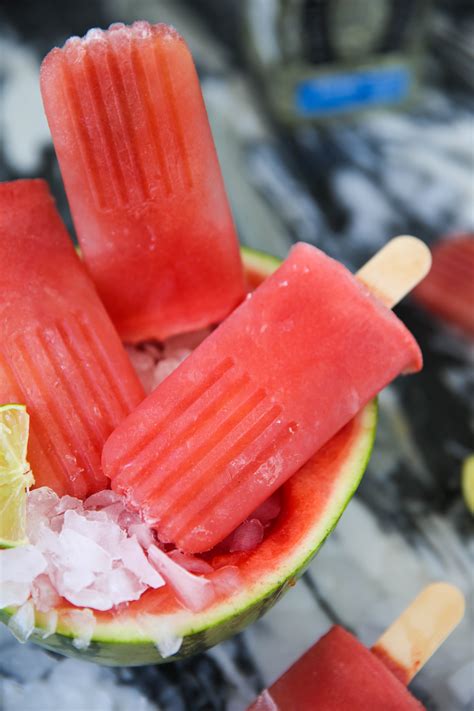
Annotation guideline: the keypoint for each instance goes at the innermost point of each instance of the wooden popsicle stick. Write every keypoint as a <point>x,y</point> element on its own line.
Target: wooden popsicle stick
<point>411,640</point>
<point>396,269</point>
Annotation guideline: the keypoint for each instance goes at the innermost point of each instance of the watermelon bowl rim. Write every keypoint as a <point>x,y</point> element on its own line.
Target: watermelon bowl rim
<point>128,638</point>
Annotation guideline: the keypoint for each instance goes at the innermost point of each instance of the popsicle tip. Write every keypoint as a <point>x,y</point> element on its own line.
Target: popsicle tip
<point>50,63</point>
<point>47,58</point>
<point>95,34</point>
<point>117,26</point>
<point>138,30</point>
<point>142,29</point>
<point>72,41</point>
<point>117,31</point>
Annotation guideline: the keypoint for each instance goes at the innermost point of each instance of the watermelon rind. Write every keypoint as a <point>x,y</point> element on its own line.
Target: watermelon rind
<point>123,640</point>
<point>261,262</point>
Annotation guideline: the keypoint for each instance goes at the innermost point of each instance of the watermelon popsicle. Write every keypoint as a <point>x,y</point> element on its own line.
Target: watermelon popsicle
<point>448,290</point>
<point>59,352</point>
<point>276,380</point>
<point>143,181</point>
<point>339,673</point>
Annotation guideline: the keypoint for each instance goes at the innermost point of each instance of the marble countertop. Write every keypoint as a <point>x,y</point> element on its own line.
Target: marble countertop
<point>347,189</point>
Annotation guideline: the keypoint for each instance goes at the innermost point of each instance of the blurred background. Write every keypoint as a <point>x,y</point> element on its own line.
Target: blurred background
<point>341,123</point>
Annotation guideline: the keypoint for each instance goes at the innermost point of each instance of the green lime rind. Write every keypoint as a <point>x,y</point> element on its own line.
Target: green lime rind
<point>14,428</point>
<point>15,475</point>
<point>467,482</point>
<point>121,641</point>
<point>13,510</point>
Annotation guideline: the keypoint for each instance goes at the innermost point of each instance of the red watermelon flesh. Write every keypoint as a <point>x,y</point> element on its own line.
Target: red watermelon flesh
<point>96,554</point>
<point>59,352</point>
<point>337,674</point>
<point>303,498</point>
<point>142,177</point>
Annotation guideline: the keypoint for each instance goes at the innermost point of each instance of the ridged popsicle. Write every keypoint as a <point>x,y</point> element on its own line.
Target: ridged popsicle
<point>142,177</point>
<point>337,674</point>
<point>59,352</point>
<point>279,377</point>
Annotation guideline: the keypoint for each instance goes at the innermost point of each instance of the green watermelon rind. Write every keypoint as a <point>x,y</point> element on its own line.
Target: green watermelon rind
<point>123,642</point>
<point>260,261</point>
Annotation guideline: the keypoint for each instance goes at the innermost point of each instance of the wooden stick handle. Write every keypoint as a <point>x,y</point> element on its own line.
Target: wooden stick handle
<point>411,640</point>
<point>396,269</point>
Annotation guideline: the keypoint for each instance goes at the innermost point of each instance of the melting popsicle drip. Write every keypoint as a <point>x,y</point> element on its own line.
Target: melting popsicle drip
<point>66,381</point>
<point>116,88</point>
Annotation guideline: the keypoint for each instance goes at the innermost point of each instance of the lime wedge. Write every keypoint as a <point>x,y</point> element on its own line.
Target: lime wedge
<point>467,482</point>
<point>15,474</point>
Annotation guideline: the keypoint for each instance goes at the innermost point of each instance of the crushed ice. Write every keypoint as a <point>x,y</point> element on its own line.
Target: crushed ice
<point>251,532</point>
<point>96,555</point>
<point>85,552</point>
<point>22,623</point>
<point>154,361</point>
<point>194,591</point>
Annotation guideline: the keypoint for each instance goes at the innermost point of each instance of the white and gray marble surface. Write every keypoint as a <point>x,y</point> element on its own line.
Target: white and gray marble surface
<point>347,189</point>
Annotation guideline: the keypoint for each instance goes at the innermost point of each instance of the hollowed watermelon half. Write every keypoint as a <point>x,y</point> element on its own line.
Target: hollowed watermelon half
<point>313,500</point>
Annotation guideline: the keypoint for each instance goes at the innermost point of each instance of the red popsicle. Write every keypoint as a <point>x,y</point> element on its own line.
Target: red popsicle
<point>59,352</point>
<point>339,674</point>
<point>142,177</point>
<point>448,290</point>
<point>277,379</point>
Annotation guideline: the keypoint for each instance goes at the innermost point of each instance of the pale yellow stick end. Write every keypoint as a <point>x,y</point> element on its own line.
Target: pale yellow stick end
<point>412,639</point>
<point>396,269</point>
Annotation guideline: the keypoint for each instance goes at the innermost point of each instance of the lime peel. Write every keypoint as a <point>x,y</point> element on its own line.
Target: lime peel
<point>467,482</point>
<point>15,474</point>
